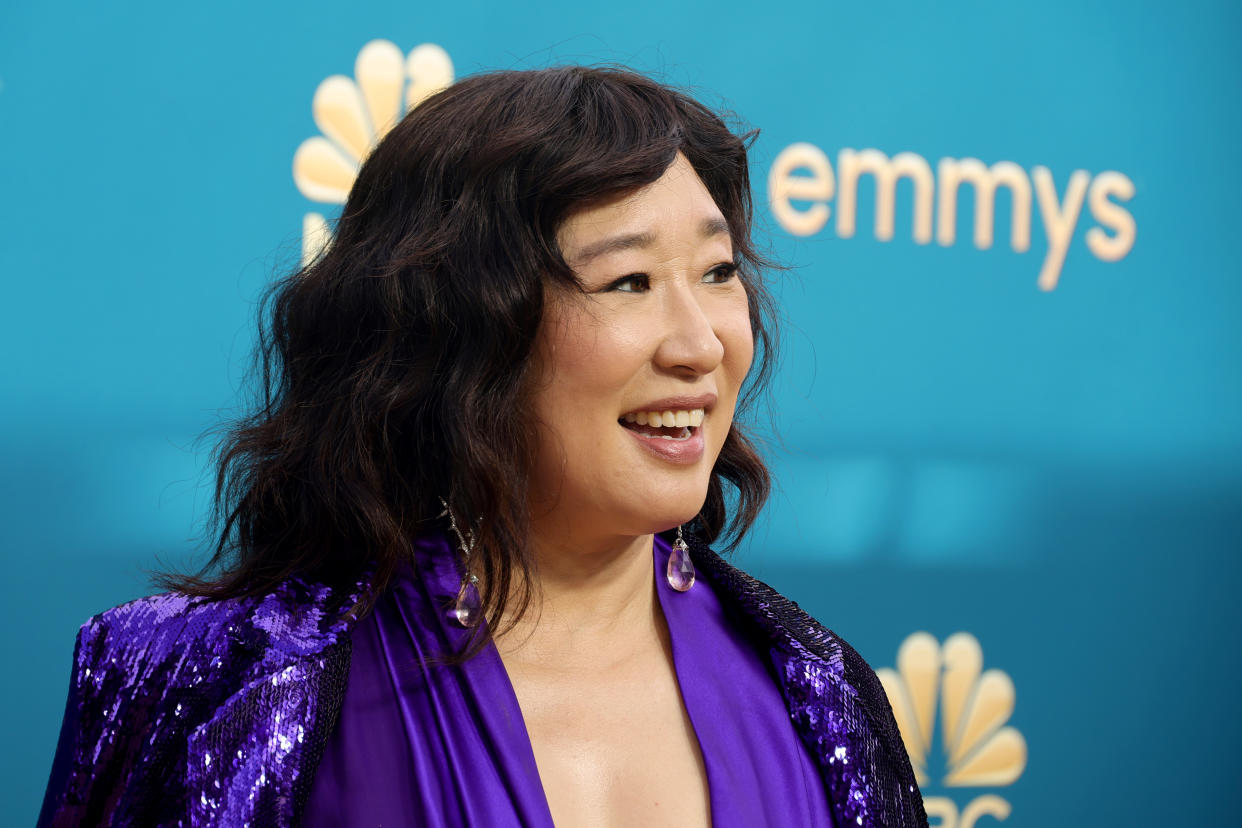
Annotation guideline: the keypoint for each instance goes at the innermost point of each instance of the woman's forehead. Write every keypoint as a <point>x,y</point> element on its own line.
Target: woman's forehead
<point>676,203</point>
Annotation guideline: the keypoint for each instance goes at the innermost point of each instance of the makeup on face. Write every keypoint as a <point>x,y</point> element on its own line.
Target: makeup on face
<point>640,371</point>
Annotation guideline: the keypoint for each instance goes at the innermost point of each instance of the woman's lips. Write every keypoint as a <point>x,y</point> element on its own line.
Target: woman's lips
<point>681,445</point>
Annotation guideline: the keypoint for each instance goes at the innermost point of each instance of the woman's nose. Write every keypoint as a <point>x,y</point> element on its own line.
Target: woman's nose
<point>689,342</point>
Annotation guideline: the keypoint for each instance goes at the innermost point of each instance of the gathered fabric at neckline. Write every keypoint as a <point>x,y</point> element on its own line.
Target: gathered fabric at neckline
<point>423,742</point>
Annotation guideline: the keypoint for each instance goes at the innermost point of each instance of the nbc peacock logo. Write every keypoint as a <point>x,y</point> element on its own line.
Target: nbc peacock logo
<point>354,114</point>
<point>977,748</point>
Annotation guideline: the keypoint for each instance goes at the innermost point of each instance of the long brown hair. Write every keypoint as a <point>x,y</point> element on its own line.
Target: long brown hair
<point>392,370</point>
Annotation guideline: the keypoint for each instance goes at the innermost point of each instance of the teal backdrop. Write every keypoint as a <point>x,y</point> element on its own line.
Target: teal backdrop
<point>987,470</point>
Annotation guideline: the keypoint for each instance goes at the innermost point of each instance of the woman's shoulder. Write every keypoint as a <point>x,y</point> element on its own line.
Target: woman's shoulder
<point>154,622</point>
<point>173,637</point>
<point>154,677</point>
<point>175,659</point>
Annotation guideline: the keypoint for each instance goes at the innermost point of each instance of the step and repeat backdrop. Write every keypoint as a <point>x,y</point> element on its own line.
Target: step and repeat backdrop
<point>1007,426</point>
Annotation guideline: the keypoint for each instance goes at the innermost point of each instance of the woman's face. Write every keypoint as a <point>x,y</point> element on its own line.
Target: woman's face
<point>638,375</point>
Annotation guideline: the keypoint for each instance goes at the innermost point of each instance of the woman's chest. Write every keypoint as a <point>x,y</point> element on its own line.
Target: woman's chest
<point>616,749</point>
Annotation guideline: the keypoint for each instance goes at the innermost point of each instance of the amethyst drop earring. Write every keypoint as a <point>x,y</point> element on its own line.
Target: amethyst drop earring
<point>680,572</point>
<point>467,607</point>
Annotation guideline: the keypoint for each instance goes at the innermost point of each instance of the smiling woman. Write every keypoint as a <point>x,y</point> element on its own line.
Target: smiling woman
<point>660,327</point>
<point>462,573</point>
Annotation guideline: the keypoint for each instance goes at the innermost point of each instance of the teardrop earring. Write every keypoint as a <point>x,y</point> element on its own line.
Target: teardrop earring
<point>466,609</point>
<point>680,572</point>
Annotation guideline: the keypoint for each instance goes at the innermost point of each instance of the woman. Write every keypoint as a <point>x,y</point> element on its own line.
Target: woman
<point>462,574</point>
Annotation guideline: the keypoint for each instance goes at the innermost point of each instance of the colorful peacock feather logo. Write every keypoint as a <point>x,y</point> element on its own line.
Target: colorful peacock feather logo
<point>354,114</point>
<point>979,748</point>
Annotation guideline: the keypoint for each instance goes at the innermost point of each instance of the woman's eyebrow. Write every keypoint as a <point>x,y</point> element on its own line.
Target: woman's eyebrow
<point>714,226</point>
<point>709,227</point>
<point>612,244</point>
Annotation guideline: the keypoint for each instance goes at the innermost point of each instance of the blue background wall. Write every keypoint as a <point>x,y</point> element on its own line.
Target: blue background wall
<point>1054,472</point>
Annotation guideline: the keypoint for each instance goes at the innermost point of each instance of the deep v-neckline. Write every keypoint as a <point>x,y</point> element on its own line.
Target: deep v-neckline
<point>493,661</point>
<point>444,744</point>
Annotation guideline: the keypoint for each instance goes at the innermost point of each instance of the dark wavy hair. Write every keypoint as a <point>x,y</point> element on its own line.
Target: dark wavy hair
<point>393,369</point>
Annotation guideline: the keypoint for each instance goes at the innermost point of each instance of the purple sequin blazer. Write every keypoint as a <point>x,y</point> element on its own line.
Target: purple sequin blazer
<point>190,712</point>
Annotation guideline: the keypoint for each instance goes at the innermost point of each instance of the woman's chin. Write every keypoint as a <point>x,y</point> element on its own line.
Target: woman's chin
<point>665,515</point>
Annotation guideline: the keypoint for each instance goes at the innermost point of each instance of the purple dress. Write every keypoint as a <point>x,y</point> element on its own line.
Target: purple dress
<point>438,745</point>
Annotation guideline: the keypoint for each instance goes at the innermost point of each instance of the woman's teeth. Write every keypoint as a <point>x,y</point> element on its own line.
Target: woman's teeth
<point>667,419</point>
<point>670,425</point>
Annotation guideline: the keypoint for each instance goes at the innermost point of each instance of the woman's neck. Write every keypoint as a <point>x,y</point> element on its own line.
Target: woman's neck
<point>589,597</point>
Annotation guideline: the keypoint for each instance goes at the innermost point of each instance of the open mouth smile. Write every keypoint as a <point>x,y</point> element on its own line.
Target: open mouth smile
<point>665,425</point>
<point>674,435</point>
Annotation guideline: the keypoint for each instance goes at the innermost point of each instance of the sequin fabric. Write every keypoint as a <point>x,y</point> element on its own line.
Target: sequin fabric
<point>186,712</point>
<point>837,704</point>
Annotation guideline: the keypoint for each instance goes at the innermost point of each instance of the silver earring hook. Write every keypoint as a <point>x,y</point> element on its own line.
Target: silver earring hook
<point>467,547</point>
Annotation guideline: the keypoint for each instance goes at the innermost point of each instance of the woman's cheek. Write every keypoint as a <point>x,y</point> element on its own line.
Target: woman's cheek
<point>740,346</point>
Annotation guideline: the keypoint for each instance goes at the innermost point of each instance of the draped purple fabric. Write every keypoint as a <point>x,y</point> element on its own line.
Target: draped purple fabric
<point>431,744</point>
<point>758,771</point>
<point>422,744</point>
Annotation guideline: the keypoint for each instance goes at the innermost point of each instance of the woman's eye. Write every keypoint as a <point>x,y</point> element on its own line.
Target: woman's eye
<point>720,274</point>
<point>634,283</point>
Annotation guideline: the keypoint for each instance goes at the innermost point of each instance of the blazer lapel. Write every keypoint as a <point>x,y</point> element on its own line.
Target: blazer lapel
<point>253,761</point>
